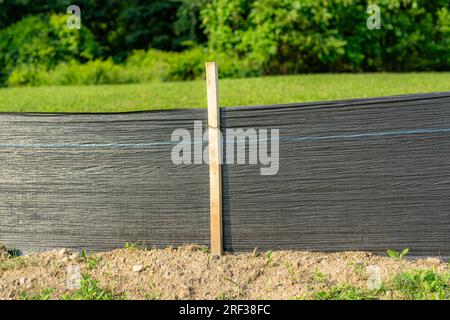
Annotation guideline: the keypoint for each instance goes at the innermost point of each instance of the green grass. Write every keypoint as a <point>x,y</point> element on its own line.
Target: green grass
<point>90,259</point>
<point>233,92</point>
<point>346,292</point>
<point>422,285</point>
<point>90,290</point>
<point>12,263</point>
<point>407,285</point>
<point>46,294</point>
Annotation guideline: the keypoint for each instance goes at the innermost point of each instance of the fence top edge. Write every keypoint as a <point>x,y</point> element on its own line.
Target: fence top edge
<point>347,102</point>
<point>312,104</point>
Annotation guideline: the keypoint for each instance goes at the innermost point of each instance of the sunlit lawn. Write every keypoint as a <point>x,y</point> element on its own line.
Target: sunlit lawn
<point>233,92</point>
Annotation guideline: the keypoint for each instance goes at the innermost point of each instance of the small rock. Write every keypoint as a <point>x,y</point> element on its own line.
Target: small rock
<point>22,281</point>
<point>137,268</point>
<point>25,282</point>
<point>184,293</point>
<point>359,263</point>
<point>64,260</point>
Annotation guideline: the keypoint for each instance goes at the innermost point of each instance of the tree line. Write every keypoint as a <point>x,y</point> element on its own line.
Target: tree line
<point>252,37</point>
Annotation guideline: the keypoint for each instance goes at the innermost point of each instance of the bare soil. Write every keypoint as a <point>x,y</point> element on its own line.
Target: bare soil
<point>190,272</point>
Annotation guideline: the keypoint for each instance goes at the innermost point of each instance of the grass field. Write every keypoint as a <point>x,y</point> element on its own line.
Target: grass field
<point>233,92</point>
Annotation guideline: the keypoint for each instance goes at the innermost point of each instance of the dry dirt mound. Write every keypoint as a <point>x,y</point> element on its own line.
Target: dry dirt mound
<point>190,272</point>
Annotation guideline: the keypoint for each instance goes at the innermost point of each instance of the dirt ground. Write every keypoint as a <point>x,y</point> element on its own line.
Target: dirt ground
<point>191,272</point>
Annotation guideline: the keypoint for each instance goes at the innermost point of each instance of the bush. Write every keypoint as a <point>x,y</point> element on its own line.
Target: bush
<point>74,73</point>
<point>190,64</point>
<point>41,42</point>
<point>141,66</point>
<point>285,36</point>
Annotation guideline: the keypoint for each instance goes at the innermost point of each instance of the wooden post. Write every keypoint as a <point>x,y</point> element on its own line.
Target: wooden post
<point>215,153</point>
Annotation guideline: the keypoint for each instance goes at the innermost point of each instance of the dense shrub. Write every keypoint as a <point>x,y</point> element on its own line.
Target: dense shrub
<point>141,66</point>
<point>246,38</point>
<point>122,26</point>
<point>190,64</point>
<point>286,36</point>
<point>42,43</point>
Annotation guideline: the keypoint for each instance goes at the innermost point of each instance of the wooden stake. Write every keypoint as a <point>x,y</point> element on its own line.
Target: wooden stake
<point>215,152</point>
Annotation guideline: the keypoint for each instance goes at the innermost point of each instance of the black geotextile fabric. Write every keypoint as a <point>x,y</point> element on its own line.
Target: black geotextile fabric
<point>365,174</point>
<point>97,181</point>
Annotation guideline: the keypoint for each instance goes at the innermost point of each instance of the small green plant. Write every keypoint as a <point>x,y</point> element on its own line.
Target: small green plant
<point>152,295</point>
<point>205,250</point>
<point>89,290</point>
<point>422,284</point>
<point>269,256</point>
<point>292,274</point>
<point>12,263</point>
<point>318,276</point>
<point>397,255</point>
<point>90,259</point>
<point>139,245</point>
<point>46,294</point>
<point>359,270</point>
<point>224,296</point>
<point>130,246</point>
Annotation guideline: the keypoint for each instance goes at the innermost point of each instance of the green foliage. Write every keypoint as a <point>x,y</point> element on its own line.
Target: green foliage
<point>347,292</point>
<point>285,36</point>
<point>89,290</point>
<point>422,284</point>
<point>224,296</point>
<point>411,285</point>
<point>121,42</point>
<point>41,43</point>
<point>46,294</point>
<point>188,24</point>
<point>141,66</point>
<point>318,276</point>
<point>269,256</point>
<point>118,26</point>
<point>131,246</point>
<point>12,263</point>
<point>90,259</point>
<point>189,64</point>
<point>397,255</point>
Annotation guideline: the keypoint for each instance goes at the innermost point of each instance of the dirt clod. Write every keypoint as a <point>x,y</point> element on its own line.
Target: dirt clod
<point>137,268</point>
